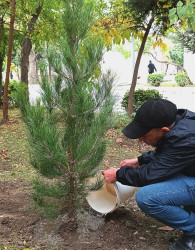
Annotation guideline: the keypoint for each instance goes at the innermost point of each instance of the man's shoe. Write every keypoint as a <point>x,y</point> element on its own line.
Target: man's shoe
<point>184,243</point>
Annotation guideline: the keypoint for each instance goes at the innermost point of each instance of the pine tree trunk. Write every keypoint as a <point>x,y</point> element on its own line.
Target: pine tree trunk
<point>135,73</point>
<point>72,205</point>
<point>10,46</point>
<point>71,202</point>
<point>27,46</point>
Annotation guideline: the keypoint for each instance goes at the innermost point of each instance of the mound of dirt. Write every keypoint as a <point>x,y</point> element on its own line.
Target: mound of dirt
<point>125,228</point>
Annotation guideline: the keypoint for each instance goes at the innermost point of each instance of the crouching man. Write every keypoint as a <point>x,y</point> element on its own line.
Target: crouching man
<point>166,175</point>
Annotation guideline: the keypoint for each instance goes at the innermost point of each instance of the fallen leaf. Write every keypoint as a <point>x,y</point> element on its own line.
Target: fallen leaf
<point>112,154</point>
<point>119,140</point>
<point>166,228</point>
<point>4,154</point>
<point>142,238</point>
<point>106,163</point>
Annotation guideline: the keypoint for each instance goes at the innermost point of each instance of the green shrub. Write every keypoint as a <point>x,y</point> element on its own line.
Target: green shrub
<point>13,85</point>
<point>140,97</point>
<point>155,79</point>
<point>120,120</point>
<point>182,79</point>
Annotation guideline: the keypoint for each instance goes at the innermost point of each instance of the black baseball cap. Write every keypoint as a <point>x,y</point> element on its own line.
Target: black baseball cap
<point>155,113</point>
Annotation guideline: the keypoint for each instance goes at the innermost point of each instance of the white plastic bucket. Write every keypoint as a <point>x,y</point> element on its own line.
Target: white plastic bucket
<point>109,197</point>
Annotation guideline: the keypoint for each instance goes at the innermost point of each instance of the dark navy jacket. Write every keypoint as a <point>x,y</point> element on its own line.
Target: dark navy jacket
<point>175,153</point>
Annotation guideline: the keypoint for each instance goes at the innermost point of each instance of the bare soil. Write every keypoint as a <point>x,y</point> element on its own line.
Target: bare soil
<point>23,227</point>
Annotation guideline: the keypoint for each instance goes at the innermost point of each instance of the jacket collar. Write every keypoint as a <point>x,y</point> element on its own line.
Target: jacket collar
<point>180,115</point>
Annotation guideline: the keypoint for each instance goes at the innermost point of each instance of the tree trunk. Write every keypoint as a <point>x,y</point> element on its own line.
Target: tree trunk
<point>32,68</point>
<point>2,54</point>
<point>27,46</point>
<point>135,73</point>
<point>1,79</point>
<point>9,55</point>
<point>25,52</point>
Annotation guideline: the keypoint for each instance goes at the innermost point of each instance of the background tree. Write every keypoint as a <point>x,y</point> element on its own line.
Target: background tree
<point>10,46</point>
<point>36,23</point>
<point>30,31</point>
<point>137,18</point>
<point>42,26</point>
<point>4,10</point>
<point>66,131</point>
<point>2,53</point>
<point>176,55</point>
<point>174,52</point>
<point>157,13</point>
<point>27,44</point>
<point>186,38</point>
<point>182,17</point>
<point>184,12</point>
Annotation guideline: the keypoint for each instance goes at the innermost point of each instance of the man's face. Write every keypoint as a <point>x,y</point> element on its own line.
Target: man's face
<point>153,136</point>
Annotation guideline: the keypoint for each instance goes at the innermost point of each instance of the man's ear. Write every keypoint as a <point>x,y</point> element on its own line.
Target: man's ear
<point>165,130</point>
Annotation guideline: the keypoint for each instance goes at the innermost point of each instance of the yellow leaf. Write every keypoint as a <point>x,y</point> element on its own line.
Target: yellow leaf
<point>108,40</point>
<point>154,45</point>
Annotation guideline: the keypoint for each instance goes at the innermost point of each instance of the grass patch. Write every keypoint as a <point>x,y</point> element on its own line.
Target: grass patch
<point>14,149</point>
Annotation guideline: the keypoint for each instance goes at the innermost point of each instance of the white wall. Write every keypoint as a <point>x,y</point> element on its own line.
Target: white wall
<point>189,65</point>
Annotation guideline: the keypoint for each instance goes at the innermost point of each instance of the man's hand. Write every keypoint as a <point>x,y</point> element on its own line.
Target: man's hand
<point>110,175</point>
<point>132,163</point>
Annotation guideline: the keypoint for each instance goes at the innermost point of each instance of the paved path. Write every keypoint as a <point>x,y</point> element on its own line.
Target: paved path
<point>183,97</point>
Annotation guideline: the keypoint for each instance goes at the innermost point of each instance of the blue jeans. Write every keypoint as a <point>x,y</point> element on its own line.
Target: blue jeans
<point>171,202</point>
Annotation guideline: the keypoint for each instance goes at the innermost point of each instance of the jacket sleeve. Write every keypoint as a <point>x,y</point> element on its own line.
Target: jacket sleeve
<point>146,157</point>
<point>162,166</point>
